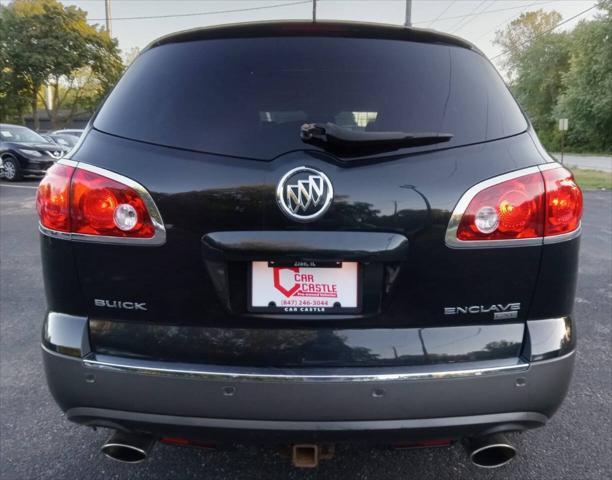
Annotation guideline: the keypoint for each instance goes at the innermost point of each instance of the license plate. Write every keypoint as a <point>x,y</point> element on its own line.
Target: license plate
<point>293,288</point>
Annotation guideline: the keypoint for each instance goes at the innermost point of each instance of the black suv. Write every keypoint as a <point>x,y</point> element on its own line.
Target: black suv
<point>306,234</point>
<point>25,152</point>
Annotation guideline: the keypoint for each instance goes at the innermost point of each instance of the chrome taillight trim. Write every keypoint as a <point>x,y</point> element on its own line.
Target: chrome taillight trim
<point>549,166</point>
<point>451,239</point>
<point>563,237</point>
<point>68,162</point>
<point>158,238</point>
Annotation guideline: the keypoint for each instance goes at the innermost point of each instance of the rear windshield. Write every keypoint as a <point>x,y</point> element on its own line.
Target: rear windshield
<point>249,97</point>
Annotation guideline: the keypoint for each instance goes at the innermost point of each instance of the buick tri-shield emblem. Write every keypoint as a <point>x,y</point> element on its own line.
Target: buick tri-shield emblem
<point>304,194</point>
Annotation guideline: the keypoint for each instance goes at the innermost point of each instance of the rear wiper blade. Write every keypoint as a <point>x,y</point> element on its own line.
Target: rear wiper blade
<point>333,137</point>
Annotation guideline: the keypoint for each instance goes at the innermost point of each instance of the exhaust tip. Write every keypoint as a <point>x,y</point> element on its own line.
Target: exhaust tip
<point>127,447</point>
<point>493,456</point>
<point>490,452</point>
<point>124,453</point>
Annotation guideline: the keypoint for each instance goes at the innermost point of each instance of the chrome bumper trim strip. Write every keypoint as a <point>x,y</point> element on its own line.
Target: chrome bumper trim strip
<point>242,375</point>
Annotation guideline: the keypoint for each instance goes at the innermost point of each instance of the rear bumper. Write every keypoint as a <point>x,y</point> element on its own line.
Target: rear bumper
<point>221,430</point>
<point>384,404</point>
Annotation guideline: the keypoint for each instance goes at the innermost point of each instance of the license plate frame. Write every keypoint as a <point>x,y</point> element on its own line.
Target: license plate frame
<point>301,308</point>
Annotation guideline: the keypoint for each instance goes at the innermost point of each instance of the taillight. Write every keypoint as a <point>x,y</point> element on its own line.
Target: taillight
<point>509,210</point>
<point>517,208</point>
<point>102,206</point>
<point>92,204</point>
<point>53,198</point>
<point>563,202</point>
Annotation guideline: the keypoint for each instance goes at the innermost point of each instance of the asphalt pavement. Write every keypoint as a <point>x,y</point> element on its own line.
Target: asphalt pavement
<point>36,441</point>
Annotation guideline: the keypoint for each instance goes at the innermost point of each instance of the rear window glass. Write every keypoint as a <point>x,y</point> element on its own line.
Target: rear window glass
<point>249,97</point>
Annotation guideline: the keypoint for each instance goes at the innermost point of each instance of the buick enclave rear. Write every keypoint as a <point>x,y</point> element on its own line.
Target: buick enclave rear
<point>305,234</point>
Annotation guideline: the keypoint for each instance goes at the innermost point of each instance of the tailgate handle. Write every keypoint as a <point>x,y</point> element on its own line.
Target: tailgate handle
<point>283,245</point>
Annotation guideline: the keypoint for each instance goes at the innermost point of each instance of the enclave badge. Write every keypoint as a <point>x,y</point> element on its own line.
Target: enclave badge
<point>500,311</point>
<point>304,194</point>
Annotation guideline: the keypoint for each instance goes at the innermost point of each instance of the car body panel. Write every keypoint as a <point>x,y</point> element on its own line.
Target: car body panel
<point>418,208</point>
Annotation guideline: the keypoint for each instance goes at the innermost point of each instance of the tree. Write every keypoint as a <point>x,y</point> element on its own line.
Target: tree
<point>587,96</point>
<point>516,38</point>
<point>563,75</point>
<point>536,60</point>
<point>13,93</point>
<point>130,56</point>
<point>539,81</point>
<point>45,42</point>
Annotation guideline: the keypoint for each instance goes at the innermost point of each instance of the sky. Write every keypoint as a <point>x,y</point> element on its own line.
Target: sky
<point>474,20</point>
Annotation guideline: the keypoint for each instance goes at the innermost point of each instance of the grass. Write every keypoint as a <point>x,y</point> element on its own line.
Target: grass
<point>593,179</point>
<point>582,154</point>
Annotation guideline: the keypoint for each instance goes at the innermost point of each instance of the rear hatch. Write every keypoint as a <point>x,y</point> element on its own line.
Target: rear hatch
<point>211,123</point>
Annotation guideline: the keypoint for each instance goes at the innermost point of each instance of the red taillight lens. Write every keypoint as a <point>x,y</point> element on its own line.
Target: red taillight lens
<point>563,202</point>
<point>509,210</point>
<point>53,198</point>
<point>83,201</point>
<point>98,205</point>
<point>539,204</point>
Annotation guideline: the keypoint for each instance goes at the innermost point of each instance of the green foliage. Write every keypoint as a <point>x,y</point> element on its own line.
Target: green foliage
<point>563,75</point>
<point>517,37</point>
<point>535,62</point>
<point>44,42</point>
<point>13,92</point>
<point>540,73</point>
<point>587,98</point>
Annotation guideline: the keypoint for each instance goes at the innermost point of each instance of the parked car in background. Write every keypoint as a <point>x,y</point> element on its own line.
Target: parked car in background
<point>77,132</point>
<point>62,139</point>
<point>25,152</point>
<point>324,233</point>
